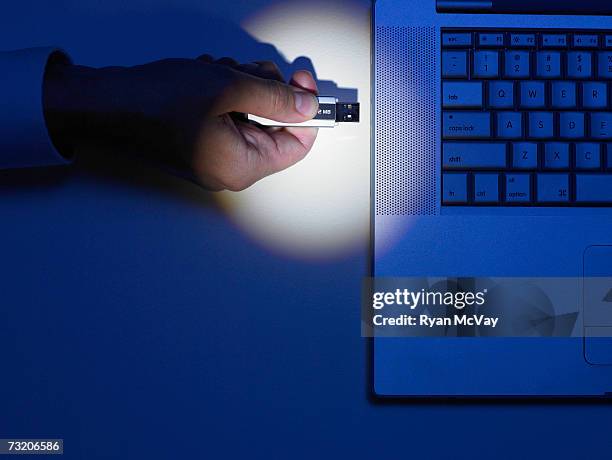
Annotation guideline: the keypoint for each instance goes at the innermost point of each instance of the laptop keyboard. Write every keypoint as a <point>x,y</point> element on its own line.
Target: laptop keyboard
<point>526,118</point>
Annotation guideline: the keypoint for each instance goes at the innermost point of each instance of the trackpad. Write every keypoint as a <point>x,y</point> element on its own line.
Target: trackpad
<point>597,296</point>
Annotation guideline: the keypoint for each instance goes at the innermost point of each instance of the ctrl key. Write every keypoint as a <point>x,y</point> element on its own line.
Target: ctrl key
<point>486,188</point>
<point>454,188</point>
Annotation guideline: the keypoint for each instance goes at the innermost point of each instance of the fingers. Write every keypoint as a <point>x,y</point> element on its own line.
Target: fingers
<point>275,150</point>
<point>293,145</point>
<point>268,69</point>
<point>280,148</point>
<point>268,98</point>
<point>304,79</point>
<point>228,61</point>
<point>243,152</point>
<point>205,58</point>
<point>262,69</point>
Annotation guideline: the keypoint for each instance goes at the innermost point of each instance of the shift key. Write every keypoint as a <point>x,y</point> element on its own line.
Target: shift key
<point>473,155</point>
<point>460,125</point>
<point>462,94</point>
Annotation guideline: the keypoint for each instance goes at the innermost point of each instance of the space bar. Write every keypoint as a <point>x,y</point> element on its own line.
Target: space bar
<point>594,188</point>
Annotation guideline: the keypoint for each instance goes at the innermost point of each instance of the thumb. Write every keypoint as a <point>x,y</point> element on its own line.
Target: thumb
<point>271,99</point>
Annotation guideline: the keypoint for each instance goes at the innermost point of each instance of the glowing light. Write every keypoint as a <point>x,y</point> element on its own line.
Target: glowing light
<point>320,207</point>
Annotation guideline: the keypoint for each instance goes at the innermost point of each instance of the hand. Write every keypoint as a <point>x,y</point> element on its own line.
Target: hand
<point>189,108</point>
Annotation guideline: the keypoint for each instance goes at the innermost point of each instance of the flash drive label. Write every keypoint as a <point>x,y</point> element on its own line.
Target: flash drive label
<point>326,112</point>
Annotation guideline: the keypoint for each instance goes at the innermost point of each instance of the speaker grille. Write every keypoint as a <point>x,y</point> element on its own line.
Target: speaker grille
<point>406,88</point>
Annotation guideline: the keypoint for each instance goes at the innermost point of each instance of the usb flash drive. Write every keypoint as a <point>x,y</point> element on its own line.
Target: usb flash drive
<point>331,112</point>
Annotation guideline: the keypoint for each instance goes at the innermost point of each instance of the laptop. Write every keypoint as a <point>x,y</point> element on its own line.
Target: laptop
<point>492,166</point>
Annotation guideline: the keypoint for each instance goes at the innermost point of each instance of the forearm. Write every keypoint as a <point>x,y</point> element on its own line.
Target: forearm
<point>180,113</point>
<point>105,106</point>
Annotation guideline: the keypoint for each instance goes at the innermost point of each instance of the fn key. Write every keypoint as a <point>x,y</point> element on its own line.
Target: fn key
<point>454,188</point>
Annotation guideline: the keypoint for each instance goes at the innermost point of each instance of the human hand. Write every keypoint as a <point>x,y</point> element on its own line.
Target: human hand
<point>191,108</point>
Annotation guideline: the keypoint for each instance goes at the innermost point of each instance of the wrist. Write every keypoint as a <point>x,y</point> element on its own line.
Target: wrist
<point>112,107</point>
<point>69,102</point>
<point>84,104</point>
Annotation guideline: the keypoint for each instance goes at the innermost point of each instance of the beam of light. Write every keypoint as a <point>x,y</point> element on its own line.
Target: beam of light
<point>318,209</point>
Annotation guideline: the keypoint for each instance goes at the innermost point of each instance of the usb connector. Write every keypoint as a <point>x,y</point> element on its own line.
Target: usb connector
<point>331,112</point>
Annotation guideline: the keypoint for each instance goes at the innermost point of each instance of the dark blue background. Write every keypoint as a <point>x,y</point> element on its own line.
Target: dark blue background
<point>138,322</point>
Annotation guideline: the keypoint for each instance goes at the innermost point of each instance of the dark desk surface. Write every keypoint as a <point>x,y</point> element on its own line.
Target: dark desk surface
<point>139,322</point>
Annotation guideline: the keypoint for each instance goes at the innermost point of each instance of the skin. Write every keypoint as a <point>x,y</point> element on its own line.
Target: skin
<point>188,113</point>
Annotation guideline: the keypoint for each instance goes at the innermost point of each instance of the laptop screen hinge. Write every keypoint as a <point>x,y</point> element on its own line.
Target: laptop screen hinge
<point>576,7</point>
<point>463,6</point>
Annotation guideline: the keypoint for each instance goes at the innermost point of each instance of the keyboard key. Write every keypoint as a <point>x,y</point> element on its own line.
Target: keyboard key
<point>486,188</point>
<point>523,40</point>
<point>554,41</point>
<point>586,41</point>
<point>525,155</point>
<point>571,125</point>
<point>595,95</point>
<point>553,188</point>
<point>454,64</point>
<point>601,125</point>
<point>544,125</point>
<point>462,94</point>
<point>548,64</point>
<point>466,124</point>
<point>466,155</point>
<point>604,65</point>
<point>461,40</point>
<point>518,188</point>
<point>594,188</point>
<point>563,94</point>
<point>541,125</point>
<point>486,64</point>
<point>509,125</point>
<point>532,94</point>
<point>588,155</point>
<point>579,64</point>
<point>501,94</point>
<point>491,40</point>
<point>454,188</point>
<point>556,155</point>
<point>517,64</point>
